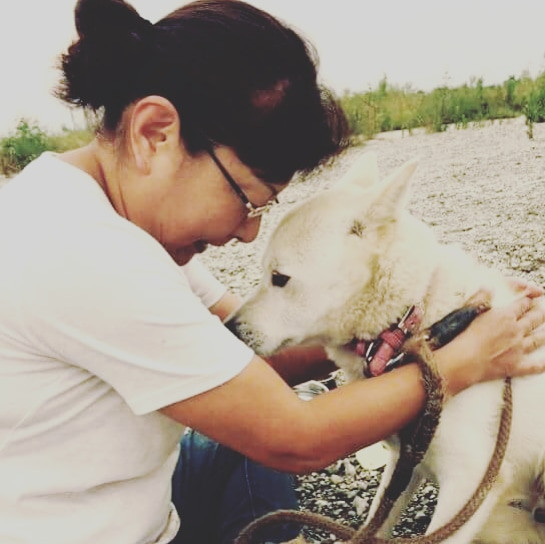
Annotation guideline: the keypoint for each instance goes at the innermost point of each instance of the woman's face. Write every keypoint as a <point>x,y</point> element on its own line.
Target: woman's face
<point>188,203</point>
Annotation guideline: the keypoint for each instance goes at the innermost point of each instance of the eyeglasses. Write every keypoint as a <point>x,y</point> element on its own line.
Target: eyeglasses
<point>253,211</point>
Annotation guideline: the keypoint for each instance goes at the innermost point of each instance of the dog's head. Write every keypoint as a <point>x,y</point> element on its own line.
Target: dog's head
<point>321,261</point>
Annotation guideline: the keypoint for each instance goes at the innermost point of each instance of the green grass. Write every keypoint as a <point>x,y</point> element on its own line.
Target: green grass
<point>394,108</point>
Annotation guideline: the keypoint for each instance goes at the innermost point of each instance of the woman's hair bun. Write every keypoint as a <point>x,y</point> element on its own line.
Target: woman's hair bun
<point>101,16</point>
<point>107,65</point>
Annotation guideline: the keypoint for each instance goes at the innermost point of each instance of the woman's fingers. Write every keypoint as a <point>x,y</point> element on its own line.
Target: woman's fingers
<point>530,315</point>
<point>531,318</point>
<point>527,287</point>
<point>534,340</point>
<point>522,306</point>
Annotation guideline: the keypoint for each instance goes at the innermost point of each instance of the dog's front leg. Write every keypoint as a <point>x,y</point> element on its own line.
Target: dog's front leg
<point>404,498</point>
<point>393,451</point>
<point>400,505</point>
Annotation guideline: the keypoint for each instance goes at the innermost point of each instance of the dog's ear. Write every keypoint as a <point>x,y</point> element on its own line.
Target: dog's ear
<point>364,171</point>
<point>392,194</point>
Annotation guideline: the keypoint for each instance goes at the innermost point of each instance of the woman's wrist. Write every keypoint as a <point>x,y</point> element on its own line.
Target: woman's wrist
<point>456,370</point>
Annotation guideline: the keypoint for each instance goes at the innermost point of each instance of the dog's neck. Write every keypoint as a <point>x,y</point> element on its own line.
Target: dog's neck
<point>403,276</point>
<point>412,268</point>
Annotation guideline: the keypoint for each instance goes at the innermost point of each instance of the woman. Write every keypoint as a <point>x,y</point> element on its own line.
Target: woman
<point>111,339</point>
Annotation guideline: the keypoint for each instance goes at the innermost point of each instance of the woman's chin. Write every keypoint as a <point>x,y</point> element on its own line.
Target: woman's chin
<point>183,255</point>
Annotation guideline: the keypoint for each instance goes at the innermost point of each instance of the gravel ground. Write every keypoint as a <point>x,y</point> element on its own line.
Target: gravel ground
<point>483,188</point>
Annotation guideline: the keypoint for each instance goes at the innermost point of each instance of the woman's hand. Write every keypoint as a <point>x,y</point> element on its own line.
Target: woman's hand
<point>525,287</point>
<point>495,344</point>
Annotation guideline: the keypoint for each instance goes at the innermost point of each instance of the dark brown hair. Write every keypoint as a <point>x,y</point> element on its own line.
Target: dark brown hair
<point>236,75</point>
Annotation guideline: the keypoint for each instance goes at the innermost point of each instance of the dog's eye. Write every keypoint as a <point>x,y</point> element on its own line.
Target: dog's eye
<point>279,280</point>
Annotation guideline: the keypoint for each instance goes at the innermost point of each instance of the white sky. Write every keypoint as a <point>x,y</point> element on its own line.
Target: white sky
<point>425,43</point>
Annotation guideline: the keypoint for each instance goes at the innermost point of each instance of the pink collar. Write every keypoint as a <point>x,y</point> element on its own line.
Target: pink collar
<point>381,354</point>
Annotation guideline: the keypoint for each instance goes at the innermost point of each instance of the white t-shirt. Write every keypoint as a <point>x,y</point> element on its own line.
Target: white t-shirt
<point>99,328</point>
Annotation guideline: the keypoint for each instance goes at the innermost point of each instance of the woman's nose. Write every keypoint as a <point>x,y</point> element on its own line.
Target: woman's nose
<point>248,230</point>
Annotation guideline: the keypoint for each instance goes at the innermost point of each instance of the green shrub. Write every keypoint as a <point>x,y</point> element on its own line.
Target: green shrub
<point>69,139</point>
<point>393,108</point>
<point>24,145</point>
<point>29,141</point>
<point>534,108</point>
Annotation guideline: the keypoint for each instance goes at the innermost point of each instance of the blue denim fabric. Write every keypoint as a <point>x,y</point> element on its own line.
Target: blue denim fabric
<point>218,491</point>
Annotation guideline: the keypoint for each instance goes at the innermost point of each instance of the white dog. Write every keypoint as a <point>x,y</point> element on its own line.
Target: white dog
<point>346,265</point>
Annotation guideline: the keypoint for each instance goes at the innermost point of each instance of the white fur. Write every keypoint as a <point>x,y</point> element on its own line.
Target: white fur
<point>356,259</point>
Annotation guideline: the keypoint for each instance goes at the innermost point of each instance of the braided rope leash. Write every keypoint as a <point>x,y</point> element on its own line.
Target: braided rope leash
<point>363,536</point>
<point>250,533</point>
<point>414,443</point>
<point>479,494</point>
<point>415,438</point>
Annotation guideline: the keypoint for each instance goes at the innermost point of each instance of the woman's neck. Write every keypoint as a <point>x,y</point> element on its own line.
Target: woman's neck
<point>95,160</point>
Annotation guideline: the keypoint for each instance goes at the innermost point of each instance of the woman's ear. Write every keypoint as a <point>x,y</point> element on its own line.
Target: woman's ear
<point>154,127</point>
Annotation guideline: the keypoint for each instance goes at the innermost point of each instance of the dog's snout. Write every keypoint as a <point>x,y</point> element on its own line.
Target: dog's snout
<point>539,515</point>
<point>245,332</point>
<point>232,325</point>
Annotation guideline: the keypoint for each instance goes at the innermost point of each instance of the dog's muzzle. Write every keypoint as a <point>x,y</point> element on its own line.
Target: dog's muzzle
<point>243,331</point>
<point>232,325</point>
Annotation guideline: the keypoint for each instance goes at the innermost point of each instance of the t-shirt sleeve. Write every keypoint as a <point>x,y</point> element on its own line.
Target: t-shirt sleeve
<point>121,310</point>
<point>203,283</point>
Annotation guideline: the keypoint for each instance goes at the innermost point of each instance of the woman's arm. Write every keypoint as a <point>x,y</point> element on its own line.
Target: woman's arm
<point>259,415</point>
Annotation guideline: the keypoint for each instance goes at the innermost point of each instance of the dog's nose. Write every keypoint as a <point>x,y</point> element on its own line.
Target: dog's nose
<point>231,324</point>
<point>539,515</point>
